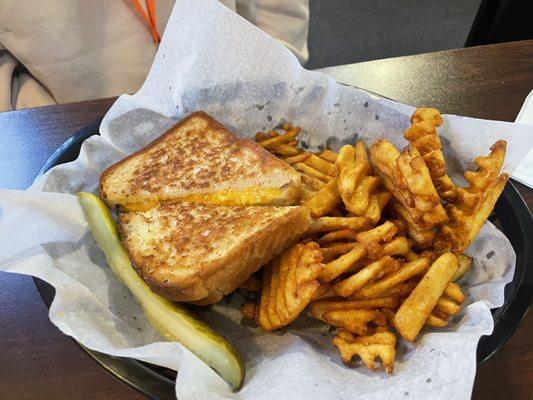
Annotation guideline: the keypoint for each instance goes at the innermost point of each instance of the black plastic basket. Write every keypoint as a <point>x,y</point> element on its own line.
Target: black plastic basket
<point>511,215</point>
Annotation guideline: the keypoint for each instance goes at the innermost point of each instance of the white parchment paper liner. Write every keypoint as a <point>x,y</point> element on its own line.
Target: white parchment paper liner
<point>210,59</point>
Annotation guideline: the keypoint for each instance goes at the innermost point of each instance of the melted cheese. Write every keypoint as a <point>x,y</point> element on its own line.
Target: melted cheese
<point>244,197</point>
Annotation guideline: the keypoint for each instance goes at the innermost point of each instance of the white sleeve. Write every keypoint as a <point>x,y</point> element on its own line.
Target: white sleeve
<point>78,49</point>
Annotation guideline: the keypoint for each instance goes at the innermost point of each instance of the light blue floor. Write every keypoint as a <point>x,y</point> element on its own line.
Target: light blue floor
<point>348,31</point>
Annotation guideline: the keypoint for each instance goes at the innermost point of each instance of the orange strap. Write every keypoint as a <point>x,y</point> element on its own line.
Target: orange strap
<point>150,17</point>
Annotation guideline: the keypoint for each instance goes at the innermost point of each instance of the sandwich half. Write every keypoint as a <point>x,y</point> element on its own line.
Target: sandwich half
<point>198,253</point>
<point>199,160</point>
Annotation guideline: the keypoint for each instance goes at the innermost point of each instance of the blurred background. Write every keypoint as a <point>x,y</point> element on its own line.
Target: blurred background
<point>348,31</point>
<point>107,47</point>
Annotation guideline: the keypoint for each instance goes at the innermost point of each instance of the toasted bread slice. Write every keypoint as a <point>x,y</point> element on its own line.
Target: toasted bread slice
<point>198,253</point>
<point>199,160</point>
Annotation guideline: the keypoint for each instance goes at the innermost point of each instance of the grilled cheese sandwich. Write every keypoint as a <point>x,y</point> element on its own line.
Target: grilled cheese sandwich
<point>200,160</point>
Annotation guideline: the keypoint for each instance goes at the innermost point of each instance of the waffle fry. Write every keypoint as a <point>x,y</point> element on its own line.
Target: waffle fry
<point>321,165</point>
<point>422,236</point>
<point>390,250</point>
<point>328,155</point>
<point>413,313</point>
<point>328,224</point>
<point>286,151</point>
<point>296,159</point>
<point>407,177</point>
<point>367,274</point>
<point>310,171</point>
<point>383,286</point>
<point>340,265</point>
<point>381,233</point>
<point>342,315</point>
<point>447,306</point>
<point>376,205</point>
<point>287,137</point>
<point>340,235</point>
<point>465,263</point>
<point>289,284</point>
<point>474,203</point>
<point>384,302</point>
<point>312,183</point>
<point>381,344</point>
<point>378,242</point>
<point>324,201</point>
<point>356,186</point>
<point>324,292</point>
<point>423,135</point>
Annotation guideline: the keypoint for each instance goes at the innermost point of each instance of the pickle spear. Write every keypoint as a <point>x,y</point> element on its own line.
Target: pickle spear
<point>172,320</point>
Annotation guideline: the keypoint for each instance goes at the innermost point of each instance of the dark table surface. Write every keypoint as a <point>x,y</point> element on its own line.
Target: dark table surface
<point>39,362</point>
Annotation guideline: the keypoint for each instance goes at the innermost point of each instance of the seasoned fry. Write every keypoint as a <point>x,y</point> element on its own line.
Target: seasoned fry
<point>392,227</point>
<point>321,165</point>
<point>381,344</point>
<point>407,271</point>
<point>407,177</point>
<point>289,284</point>
<point>324,292</point>
<point>338,236</point>
<point>422,236</point>
<point>350,319</point>
<point>334,250</point>
<point>396,247</point>
<point>324,201</point>
<point>427,114</point>
<point>436,322</point>
<point>453,291</point>
<point>328,155</point>
<point>356,185</point>
<point>381,233</point>
<point>372,271</point>
<point>342,264</point>
<point>447,306</point>
<point>306,193</point>
<point>372,304</point>
<point>360,200</point>
<point>307,170</point>
<point>376,205</point>
<point>249,310</point>
<point>423,135</point>
<point>275,141</point>
<point>327,224</point>
<point>465,263</point>
<point>286,151</point>
<point>398,291</point>
<point>414,311</point>
<point>312,182</point>
<point>474,204</point>
<point>297,159</point>
<point>260,136</point>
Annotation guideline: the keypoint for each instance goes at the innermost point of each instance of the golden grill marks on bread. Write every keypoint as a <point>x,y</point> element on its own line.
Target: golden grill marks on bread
<point>200,160</point>
<point>198,253</point>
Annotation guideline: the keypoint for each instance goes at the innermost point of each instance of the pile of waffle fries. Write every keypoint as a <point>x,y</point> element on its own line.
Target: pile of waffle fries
<point>386,242</point>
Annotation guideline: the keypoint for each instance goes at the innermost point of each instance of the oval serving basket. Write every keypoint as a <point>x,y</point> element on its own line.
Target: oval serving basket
<point>511,215</point>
